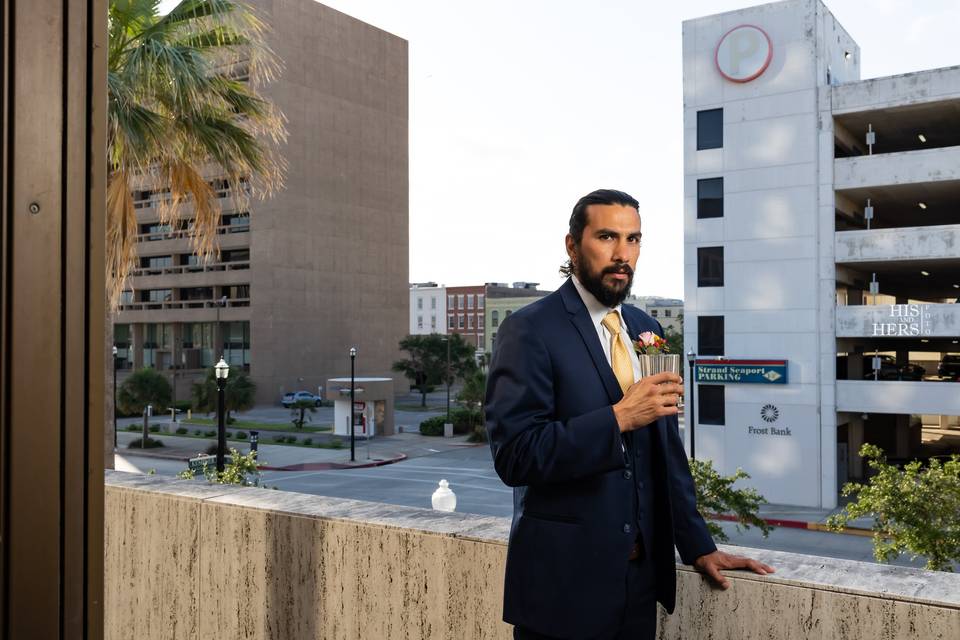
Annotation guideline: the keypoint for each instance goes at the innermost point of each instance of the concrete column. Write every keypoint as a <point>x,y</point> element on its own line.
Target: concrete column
<point>855,440</point>
<point>854,297</point>
<point>136,344</point>
<point>855,365</point>
<point>904,437</point>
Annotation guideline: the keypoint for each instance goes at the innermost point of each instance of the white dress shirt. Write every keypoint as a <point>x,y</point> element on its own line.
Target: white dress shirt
<point>597,313</point>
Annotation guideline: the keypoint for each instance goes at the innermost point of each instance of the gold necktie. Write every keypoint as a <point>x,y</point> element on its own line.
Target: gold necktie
<point>619,356</point>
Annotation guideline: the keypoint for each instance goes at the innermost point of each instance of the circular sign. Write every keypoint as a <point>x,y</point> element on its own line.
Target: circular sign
<point>743,53</point>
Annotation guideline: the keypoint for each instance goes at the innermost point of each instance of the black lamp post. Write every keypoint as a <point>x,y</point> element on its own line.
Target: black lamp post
<point>692,360</point>
<point>114,396</point>
<point>353,372</point>
<point>222,370</point>
<point>447,340</point>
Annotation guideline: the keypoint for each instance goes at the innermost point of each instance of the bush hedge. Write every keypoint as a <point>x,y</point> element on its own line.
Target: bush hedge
<point>241,435</point>
<point>151,444</point>
<point>182,431</point>
<point>464,421</point>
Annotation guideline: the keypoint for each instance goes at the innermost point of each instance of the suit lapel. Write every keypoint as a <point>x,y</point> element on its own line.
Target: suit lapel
<point>588,333</point>
<point>635,327</point>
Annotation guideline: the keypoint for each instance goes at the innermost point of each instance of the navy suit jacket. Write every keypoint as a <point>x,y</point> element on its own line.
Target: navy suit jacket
<point>555,439</point>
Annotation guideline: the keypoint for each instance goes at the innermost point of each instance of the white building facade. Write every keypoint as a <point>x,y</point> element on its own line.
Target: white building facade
<point>428,308</point>
<point>791,209</point>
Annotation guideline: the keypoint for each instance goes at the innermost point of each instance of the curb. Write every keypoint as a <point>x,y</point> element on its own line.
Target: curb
<point>326,466</point>
<point>800,524</point>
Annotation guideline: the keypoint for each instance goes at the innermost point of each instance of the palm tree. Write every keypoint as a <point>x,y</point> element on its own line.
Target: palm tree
<point>185,110</point>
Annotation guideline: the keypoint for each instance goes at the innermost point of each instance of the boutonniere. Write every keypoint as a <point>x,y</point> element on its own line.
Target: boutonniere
<point>650,344</point>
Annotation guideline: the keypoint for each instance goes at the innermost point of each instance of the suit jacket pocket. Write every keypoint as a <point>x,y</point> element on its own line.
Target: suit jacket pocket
<point>552,517</point>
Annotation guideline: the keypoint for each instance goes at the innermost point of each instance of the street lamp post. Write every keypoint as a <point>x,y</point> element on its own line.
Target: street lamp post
<point>222,370</point>
<point>448,379</point>
<point>114,396</point>
<point>353,372</point>
<point>692,360</point>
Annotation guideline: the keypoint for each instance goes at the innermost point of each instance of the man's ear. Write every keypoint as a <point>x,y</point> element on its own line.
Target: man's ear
<point>571,246</point>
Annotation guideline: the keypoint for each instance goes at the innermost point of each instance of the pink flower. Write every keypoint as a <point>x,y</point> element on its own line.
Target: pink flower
<point>647,338</point>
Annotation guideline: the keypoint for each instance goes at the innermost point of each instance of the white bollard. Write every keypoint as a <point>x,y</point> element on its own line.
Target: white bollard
<point>444,499</point>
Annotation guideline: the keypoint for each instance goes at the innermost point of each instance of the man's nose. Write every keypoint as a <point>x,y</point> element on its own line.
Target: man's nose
<point>621,251</point>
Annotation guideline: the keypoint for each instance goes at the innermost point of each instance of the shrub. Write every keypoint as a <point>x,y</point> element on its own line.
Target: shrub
<point>238,469</point>
<point>182,405</point>
<point>151,444</point>
<point>278,439</point>
<point>229,434</point>
<point>182,431</point>
<point>716,495</point>
<point>134,427</point>
<point>433,426</point>
<point>211,450</point>
<point>154,428</point>
<point>479,434</point>
<point>230,420</point>
<point>197,432</point>
<point>291,439</point>
<point>914,508</point>
<point>241,435</point>
<point>307,442</point>
<point>212,433</point>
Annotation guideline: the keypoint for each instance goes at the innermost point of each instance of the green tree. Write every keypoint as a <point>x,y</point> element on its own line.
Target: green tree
<point>472,396</point>
<point>239,393</point>
<point>185,111</point>
<point>239,469</point>
<point>915,510</point>
<point>426,366</point>
<point>716,495</point>
<point>674,338</point>
<point>143,387</point>
<point>298,411</point>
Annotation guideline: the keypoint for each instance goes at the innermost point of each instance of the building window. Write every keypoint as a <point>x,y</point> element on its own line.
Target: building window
<point>710,404</point>
<point>460,301</point>
<point>470,301</point>
<point>507,314</point>
<point>479,301</point>
<point>433,302</point>
<point>469,321</point>
<point>653,313</point>
<point>460,321</point>
<point>666,313</point>
<point>451,322</point>
<point>449,302</point>
<point>420,304</point>
<point>710,335</point>
<point>495,318</point>
<point>433,323</point>
<point>710,198</point>
<point>710,267</point>
<point>710,129</point>
<point>419,322</point>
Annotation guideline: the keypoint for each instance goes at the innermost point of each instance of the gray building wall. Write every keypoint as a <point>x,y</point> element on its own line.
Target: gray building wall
<point>330,253</point>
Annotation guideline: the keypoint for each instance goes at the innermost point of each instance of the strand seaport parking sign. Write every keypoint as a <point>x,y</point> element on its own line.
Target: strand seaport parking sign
<point>743,53</point>
<point>742,371</point>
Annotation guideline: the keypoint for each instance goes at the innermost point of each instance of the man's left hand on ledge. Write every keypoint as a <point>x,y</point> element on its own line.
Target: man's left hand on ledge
<point>711,564</point>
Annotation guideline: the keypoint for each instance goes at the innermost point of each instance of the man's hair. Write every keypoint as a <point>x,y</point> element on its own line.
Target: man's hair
<point>578,218</point>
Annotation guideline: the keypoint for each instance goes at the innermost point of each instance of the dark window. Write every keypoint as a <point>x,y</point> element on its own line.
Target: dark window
<point>710,198</point>
<point>710,404</point>
<point>710,129</point>
<point>666,313</point>
<point>710,335</point>
<point>710,267</point>
<point>653,313</point>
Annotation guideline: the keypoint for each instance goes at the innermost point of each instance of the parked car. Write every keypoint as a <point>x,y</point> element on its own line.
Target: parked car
<point>290,399</point>
<point>889,370</point>
<point>949,367</point>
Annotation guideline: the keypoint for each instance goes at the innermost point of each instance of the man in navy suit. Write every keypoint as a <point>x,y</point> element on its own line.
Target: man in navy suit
<point>602,489</point>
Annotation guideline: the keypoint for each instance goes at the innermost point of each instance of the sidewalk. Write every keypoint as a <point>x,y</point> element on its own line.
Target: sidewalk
<point>381,450</point>
<point>809,518</point>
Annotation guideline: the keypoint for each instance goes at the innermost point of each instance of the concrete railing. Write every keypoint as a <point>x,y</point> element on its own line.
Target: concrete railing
<point>935,242</point>
<point>899,321</point>
<point>895,396</point>
<point>191,560</point>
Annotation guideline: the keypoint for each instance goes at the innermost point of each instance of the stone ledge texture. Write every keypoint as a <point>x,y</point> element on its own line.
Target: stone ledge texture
<point>185,559</point>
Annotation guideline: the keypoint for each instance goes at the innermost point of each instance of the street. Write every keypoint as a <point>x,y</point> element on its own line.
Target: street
<point>469,470</point>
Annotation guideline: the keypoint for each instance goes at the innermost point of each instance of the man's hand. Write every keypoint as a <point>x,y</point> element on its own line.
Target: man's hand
<point>711,564</point>
<point>651,398</point>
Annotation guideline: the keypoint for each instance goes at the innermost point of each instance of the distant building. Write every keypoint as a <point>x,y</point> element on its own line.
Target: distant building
<point>465,307</point>
<point>322,265</point>
<point>667,311</point>
<point>428,309</point>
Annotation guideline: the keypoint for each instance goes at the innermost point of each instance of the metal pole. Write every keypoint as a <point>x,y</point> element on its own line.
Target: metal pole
<point>114,397</point>
<point>221,427</point>
<point>448,380</point>
<point>693,405</point>
<point>353,360</point>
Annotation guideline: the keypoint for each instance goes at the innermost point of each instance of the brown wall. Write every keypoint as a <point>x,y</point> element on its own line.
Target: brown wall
<point>330,253</point>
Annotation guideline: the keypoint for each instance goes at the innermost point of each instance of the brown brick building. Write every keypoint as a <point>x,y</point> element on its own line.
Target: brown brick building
<point>320,267</point>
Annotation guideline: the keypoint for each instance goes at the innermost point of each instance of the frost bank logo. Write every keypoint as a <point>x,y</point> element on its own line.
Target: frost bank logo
<point>905,320</point>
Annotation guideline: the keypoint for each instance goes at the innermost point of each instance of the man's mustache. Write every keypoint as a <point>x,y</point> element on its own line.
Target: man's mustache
<point>619,268</point>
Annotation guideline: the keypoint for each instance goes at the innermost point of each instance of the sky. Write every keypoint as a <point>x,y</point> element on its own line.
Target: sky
<point>519,107</point>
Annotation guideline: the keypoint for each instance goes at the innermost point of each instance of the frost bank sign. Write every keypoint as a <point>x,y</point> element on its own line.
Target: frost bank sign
<point>904,320</point>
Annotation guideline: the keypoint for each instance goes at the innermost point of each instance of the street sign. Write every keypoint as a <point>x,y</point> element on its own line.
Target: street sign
<point>742,371</point>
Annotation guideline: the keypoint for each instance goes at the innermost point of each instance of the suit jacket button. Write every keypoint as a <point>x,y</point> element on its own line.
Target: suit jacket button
<point>626,528</point>
<point>628,474</point>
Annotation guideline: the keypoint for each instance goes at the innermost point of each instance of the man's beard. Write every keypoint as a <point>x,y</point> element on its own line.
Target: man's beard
<point>608,296</point>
